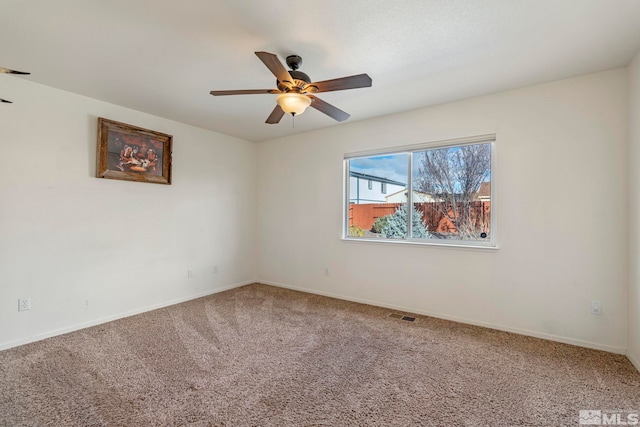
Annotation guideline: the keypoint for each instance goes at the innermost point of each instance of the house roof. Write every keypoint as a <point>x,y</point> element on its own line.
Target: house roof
<point>375,178</point>
<point>405,190</point>
<point>485,190</point>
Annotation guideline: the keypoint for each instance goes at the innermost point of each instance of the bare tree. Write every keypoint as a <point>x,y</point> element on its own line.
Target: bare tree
<point>453,176</point>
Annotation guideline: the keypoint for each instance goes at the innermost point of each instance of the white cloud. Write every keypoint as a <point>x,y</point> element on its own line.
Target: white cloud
<point>392,167</point>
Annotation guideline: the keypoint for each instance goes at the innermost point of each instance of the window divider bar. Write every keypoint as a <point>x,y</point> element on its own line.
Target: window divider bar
<point>347,191</point>
<point>410,198</point>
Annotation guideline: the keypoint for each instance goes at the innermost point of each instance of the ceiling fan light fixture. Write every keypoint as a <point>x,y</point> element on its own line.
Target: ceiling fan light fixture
<point>293,103</point>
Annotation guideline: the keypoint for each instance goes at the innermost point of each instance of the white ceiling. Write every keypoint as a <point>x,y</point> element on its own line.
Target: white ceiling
<point>164,56</point>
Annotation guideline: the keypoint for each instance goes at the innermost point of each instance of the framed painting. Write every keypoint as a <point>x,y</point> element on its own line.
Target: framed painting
<point>133,154</point>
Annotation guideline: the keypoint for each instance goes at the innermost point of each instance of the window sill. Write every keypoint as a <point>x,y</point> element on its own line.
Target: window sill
<point>421,243</point>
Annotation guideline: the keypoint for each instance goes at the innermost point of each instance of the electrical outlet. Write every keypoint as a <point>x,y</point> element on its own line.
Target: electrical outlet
<point>24,304</point>
<point>190,274</point>
<point>596,307</point>
<point>215,269</point>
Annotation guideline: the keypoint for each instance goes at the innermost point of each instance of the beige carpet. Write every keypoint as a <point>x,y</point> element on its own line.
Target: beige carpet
<point>264,356</point>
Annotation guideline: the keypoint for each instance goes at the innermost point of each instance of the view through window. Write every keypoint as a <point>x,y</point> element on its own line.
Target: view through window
<point>448,187</point>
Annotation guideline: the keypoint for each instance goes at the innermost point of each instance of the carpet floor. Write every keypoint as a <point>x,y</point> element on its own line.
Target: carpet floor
<point>265,356</point>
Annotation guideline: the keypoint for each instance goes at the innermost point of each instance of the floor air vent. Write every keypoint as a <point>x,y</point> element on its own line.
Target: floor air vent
<point>402,317</point>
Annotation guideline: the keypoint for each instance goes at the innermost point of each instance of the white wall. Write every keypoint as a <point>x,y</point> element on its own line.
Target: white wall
<point>634,213</point>
<point>85,249</point>
<point>560,196</point>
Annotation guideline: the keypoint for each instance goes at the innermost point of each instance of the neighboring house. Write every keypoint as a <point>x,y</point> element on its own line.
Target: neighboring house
<point>484,193</point>
<point>365,188</point>
<point>401,197</point>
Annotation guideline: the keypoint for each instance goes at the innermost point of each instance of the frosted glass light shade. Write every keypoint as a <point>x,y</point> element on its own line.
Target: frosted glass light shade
<point>293,103</point>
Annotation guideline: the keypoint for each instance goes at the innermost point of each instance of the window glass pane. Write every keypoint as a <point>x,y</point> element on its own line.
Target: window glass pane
<point>377,211</point>
<point>452,193</point>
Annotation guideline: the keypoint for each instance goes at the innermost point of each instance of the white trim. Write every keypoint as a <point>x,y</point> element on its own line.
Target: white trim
<point>422,242</point>
<point>346,188</point>
<point>410,195</point>
<point>417,147</point>
<point>494,193</point>
<point>409,150</point>
<point>633,360</point>
<point>77,327</point>
<point>526,332</point>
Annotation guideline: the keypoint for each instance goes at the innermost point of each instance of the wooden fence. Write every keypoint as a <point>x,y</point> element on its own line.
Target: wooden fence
<point>364,215</point>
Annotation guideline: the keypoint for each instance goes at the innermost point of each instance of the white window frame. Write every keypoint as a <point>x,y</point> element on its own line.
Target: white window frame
<point>411,149</point>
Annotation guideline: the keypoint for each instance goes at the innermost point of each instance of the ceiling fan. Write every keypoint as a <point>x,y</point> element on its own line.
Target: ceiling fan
<point>8,71</point>
<point>296,91</point>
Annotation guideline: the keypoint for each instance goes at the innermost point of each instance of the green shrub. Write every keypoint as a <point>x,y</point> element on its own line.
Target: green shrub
<point>380,223</point>
<point>396,226</point>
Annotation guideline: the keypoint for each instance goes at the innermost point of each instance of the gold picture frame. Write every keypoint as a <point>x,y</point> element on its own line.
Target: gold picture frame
<point>132,153</point>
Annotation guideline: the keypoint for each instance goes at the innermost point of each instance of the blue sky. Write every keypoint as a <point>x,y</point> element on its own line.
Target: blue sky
<point>391,167</point>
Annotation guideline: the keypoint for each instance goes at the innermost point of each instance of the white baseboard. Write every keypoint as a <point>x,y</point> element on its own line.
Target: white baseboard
<point>49,334</point>
<point>633,361</point>
<point>565,340</point>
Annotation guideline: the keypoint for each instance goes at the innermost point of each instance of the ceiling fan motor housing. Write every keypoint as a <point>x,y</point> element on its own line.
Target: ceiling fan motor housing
<point>300,79</point>
<point>299,83</point>
<point>294,61</point>
<point>299,75</point>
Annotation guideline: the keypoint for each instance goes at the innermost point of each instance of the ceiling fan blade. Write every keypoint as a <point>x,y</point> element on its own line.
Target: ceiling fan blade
<point>8,71</point>
<point>342,83</point>
<point>328,109</point>
<point>275,66</point>
<point>275,115</point>
<point>4,100</point>
<point>243,92</point>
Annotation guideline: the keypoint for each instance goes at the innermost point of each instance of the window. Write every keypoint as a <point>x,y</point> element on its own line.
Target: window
<point>448,186</point>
